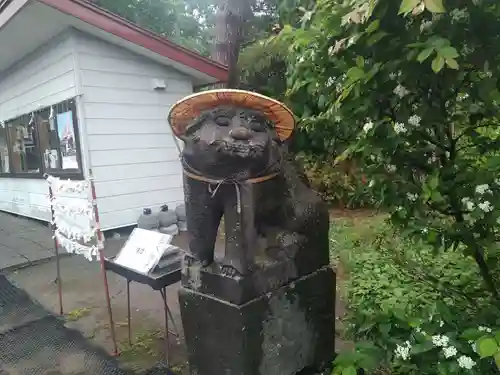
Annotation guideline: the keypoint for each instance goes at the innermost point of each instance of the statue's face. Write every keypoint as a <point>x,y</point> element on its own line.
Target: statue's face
<point>231,142</point>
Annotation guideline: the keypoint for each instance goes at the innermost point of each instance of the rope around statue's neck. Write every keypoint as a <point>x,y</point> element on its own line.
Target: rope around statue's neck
<point>197,175</point>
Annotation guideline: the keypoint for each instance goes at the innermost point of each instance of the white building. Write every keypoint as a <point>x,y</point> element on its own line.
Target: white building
<point>82,89</point>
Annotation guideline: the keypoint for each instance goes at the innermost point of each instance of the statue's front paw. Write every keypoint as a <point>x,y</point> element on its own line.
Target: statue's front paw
<point>229,271</point>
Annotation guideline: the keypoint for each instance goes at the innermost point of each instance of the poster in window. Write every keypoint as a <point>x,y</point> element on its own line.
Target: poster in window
<point>66,132</point>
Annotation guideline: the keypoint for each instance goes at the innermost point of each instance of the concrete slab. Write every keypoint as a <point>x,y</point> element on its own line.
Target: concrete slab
<point>23,242</point>
<point>9,258</point>
<point>85,307</point>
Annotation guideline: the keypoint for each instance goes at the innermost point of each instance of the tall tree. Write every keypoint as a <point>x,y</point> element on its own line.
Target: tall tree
<point>176,19</point>
<point>229,34</point>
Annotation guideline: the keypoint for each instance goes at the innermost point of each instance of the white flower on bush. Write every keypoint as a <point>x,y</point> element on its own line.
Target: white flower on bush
<point>330,81</point>
<point>458,15</point>
<point>403,351</point>
<point>468,203</point>
<point>425,25</point>
<point>414,120</point>
<point>412,197</point>
<point>461,97</point>
<point>400,91</point>
<point>399,127</point>
<point>449,351</point>
<point>391,168</point>
<point>367,126</point>
<point>484,329</point>
<point>371,184</point>
<point>485,206</point>
<point>483,189</point>
<point>418,329</point>
<point>440,340</point>
<point>466,50</point>
<point>466,362</point>
<point>472,345</point>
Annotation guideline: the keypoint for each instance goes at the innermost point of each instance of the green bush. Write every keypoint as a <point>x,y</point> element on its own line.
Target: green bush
<point>396,288</point>
<point>384,268</point>
<point>342,185</point>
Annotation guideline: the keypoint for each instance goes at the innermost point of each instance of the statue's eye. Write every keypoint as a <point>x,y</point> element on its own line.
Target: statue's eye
<point>222,120</point>
<point>257,126</point>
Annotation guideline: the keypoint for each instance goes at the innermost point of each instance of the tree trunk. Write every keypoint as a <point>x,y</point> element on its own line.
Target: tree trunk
<point>230,18</point>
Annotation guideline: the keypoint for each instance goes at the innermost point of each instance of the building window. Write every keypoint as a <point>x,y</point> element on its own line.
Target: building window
<point>24,151</point>
<point>61,152</point>
<point>44,141</point>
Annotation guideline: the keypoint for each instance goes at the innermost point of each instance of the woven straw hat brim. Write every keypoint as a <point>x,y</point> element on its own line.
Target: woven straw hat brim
<point>186,110</point>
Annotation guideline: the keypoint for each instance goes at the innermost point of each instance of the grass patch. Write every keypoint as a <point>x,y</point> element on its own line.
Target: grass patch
<point>77,314</point>
<point>145,346</point>
<point>380,268</point>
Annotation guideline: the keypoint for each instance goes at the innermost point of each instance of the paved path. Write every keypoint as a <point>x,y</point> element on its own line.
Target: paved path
<point>23,242</point>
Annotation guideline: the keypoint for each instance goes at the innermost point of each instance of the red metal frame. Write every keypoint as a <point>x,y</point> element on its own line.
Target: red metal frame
<point>56,247</point>
<point>100,246</point>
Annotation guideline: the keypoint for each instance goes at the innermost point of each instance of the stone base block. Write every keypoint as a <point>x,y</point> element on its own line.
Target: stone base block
<point>282,332</point>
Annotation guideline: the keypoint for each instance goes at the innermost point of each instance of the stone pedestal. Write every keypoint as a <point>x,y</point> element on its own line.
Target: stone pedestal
<point>283,332</point>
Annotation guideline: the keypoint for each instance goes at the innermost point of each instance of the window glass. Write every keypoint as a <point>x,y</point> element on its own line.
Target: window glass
<point>25,154</point>
<point>58,125</point>
<point>43,141</point>
<point>4,150</point>
<point>67,140</point>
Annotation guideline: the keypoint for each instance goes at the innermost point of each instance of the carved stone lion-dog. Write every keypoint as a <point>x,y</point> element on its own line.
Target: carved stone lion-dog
<point>236,166</point>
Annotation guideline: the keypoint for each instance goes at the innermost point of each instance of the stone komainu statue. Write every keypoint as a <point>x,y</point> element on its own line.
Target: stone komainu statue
<point>266,307</point>
<point>236,166</point>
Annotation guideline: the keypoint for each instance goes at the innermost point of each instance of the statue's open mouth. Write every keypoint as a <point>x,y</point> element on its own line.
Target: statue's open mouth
<point>241,149</point>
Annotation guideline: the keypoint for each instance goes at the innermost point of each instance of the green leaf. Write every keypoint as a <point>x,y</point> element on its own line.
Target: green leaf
<point>497,359</point>
<point>434,6</point>
<point>373,26</point>
<point>322,101</point>
<point>360,61</point>
<point>375,38</point>
<point>355,73</point>
<point>422,56</point>
<point>497,336</point>
<point>351,370</point>
<point>422,348</point>
<point>407,6</point>
<point>472,334</point>
<point>487,347</point>
<point>448,52</point>
<point>385,329</point>
<point>437,64</point>
<point>452,63</point>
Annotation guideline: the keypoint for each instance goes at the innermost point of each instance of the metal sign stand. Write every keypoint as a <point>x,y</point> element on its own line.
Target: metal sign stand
<point>56,248</point>
<point>100,247</point>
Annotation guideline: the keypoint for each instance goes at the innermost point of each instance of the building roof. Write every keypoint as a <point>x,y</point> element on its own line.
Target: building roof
<point>111,23</point>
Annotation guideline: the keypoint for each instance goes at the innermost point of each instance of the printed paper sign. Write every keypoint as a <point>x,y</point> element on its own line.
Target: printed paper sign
<point>143,250</point>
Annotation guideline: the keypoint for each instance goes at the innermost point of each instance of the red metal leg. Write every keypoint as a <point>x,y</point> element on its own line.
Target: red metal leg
<point>59,280</point>
<point>108,303</point>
